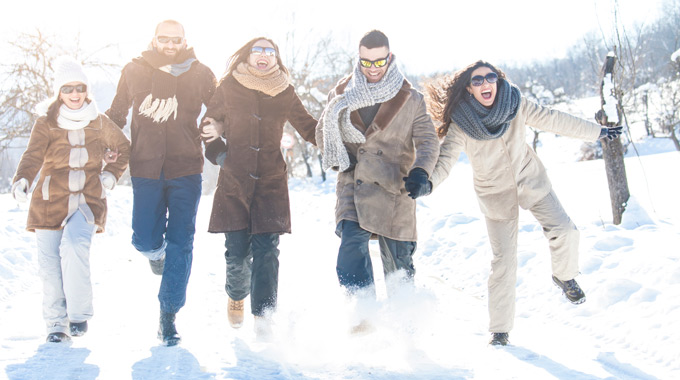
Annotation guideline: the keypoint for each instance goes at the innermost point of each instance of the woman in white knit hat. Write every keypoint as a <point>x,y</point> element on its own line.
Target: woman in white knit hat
<point>68,145</point>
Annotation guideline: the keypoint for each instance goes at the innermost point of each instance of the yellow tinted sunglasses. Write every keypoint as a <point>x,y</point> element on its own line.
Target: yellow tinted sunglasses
<point>377,63</point>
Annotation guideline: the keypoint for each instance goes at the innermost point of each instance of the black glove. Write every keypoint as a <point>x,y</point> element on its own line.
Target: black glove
<point>417,183</point>
<point>610,133</point>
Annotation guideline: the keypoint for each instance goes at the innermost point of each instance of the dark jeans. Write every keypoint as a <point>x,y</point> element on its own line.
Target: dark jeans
<point>165,210</point>
<point>354,267</point>
<point>252,268</point>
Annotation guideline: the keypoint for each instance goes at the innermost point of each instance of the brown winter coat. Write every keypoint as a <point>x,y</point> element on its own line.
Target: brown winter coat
<point>49,151</point>
<point>507,173</point>
<point>400,138</point>
<point>252,188</point>
<point>175,145</point>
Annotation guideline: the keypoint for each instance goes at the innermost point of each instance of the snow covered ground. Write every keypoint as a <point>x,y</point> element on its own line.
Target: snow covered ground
<point>628,328</point>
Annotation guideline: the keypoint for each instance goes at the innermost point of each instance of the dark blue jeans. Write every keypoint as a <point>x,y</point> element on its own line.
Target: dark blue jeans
<point>165,211</point>
<point>354,267</point>
<point>252,268</point>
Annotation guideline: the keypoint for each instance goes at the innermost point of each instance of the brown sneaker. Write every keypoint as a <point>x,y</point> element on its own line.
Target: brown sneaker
<point>235,313</point>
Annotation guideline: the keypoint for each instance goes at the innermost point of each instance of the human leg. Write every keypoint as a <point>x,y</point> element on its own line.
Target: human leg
<point>397,255</point>
<point>49,261</point>
<point>265,273</point>
<point>75,267</point>
<point>183,196</point>
<point>238,257</point>
<point>354,267</point>
<point>149,216</point>
<point>503,276</point>
<point>562,235</point>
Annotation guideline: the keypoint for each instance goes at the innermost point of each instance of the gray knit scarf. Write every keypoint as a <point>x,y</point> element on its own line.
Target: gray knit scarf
<point>483,123</point>
<point>337,127</point>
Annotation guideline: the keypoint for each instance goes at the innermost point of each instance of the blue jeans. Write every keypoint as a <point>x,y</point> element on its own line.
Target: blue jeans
<point>164,213</point>
<point>354,267</point>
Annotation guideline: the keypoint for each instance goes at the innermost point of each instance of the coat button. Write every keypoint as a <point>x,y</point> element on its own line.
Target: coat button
<point>362,151</point>
<point>379,152</point>
<point>359,182</point>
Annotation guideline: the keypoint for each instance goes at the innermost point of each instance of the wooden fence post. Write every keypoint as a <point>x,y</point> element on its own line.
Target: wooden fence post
<point>609,115</point>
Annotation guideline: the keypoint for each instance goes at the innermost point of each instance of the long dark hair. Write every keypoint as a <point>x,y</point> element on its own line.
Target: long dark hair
<point>243,53</point>
<point>445,94</point>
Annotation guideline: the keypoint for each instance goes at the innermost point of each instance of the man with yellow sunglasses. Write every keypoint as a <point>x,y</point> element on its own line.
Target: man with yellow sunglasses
<point>376,132</point>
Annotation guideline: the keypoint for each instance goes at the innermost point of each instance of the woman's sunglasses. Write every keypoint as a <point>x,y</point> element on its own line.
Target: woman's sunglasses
<point>263,50</point>
<point>478,80</point>
<point>377,63</point>
<point>69,89</point>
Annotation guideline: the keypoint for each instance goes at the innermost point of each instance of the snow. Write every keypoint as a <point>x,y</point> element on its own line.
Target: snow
<point>437,329</point>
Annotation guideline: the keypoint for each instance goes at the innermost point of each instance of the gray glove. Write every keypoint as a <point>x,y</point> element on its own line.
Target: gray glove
<point>610,133</point>
<point>20,190</point>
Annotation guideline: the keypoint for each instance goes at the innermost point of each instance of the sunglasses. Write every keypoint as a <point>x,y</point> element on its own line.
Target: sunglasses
<point>478,80</point>
<point>377,63</point>
<point>263,50</point>
<point>69,89</point>
<point>166,39</point>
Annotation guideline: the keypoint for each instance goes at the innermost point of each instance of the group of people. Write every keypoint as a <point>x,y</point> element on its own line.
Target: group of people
<point>376,131</point>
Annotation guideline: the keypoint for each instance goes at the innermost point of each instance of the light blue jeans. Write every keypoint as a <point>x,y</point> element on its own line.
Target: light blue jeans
<point>64,260</point>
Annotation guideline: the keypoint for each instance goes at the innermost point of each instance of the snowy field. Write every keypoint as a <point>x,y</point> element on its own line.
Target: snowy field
<point>629,327</point>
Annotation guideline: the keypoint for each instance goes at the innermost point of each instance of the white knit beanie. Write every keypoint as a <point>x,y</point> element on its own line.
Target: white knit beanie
<point>66,70</point>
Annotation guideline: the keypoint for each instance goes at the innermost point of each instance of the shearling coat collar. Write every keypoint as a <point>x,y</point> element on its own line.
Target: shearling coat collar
<point>387,111</point>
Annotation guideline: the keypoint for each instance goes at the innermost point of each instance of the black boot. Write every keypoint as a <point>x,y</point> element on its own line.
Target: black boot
<point>499,339</point>
<point>78,328</point>
<point>167,332</point>
<point>571,290</point>
<point>57,337</point>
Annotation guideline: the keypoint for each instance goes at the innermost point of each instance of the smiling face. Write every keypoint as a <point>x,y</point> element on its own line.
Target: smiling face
<point>166,36</point>
<point>486,93</point>
<point>75,99</point>
<point>374,74</point>
<point>261,59</point>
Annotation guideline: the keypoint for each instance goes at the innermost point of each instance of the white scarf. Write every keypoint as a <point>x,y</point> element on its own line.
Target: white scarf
<point>77,119</point>
<point>359,93</point>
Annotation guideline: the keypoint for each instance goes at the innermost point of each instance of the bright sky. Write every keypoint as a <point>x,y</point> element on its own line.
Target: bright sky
<point>426,35</point>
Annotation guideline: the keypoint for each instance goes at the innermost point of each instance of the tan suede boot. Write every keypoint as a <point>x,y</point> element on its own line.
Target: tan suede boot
<point>235,313</point>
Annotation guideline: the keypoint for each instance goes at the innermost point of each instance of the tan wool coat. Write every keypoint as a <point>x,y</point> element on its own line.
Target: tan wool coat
<point>70,162</point>
<point>507,173</point>
<point>400,138</point>
<point>252,188</point>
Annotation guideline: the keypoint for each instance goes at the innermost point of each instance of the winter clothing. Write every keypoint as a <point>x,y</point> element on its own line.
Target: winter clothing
<point>20,190</point>
<point>172,146</point>
<point>400,138</point>
<point>69,204</point>
<point>252,268</point>
<point>64,267</point>
<point>67,70</point>
<point>252,188</point>
<point>166,95</point>
<point>417,183</point>
<point>481,123</point>
<point>70,163</point>
<point>507,174</point>
<point>357,93</point>
<point>354,266</point>
<point>167,332</point>
<point>571,290</point>
<point>164,216</point>
<point>271,82</point>
<point>251,200</point>
<point>372,199</point>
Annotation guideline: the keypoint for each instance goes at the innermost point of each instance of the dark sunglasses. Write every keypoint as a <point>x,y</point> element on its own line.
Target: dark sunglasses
<point>69,89</point>
<point>377,63</point>
<point>478,80</point>
<point>166,39</point>
<point>263,50</point>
